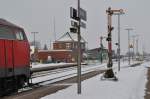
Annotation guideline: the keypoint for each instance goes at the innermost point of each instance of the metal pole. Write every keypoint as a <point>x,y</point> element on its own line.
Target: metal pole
<point>129,46</point>
<point>129,29</point>
<point>101,49</point>
<point>118,13</point>
<point>118,42</point>
<point>34,45</point>
<point>137,50</point>
<point>133,47</point>
<point>79,51</point>
<point>54,29</point>
<point>134,53</point>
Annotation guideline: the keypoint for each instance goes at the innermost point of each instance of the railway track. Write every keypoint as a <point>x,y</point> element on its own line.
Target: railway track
<point>56,80</point>
<point>59,80</point>
<point>44,73</point>
<point>59,70</point>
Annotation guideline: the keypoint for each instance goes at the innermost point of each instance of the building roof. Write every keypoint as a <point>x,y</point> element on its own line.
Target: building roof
<point>6,23</point>
<point>54,50</point>
<point>70,37</point>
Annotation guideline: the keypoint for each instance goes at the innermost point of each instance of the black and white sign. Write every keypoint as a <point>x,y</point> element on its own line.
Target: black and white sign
<point>74,24</point>
<point>83,15</point>
<point>73,13</point>
<point>73,30</point>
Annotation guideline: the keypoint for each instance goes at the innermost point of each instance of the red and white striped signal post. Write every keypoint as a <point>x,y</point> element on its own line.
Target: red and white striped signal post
<point>109,73</point>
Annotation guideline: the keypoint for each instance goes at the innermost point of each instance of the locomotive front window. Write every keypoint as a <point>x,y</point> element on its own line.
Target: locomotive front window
<point>6,33</point>
<point>19,35</point>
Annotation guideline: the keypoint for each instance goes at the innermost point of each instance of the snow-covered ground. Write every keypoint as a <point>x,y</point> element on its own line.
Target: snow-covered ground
<point>38,65</point>
<point>131,85</point>
<point>71,73</point>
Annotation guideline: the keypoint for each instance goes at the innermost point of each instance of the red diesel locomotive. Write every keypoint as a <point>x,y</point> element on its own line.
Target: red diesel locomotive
<point>14,57</point>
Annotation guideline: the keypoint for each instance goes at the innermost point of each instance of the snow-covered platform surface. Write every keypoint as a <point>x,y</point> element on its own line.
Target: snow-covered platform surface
<point>130,85</point>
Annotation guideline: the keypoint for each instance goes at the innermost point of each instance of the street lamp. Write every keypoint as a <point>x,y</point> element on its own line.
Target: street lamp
<point>118,13</point>
<point>133,37</point>
<point>129,29</point>
<point>137,48</point>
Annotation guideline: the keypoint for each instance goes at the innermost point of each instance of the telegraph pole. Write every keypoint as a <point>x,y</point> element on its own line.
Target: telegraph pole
<point>129,29</point>
<point>79,50</point>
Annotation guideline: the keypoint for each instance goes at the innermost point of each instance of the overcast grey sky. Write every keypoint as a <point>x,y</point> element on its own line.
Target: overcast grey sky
<point>38,15</point>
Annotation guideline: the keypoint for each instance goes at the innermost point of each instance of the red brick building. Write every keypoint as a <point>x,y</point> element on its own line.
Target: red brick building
<point>69,41</point>
<point>64,49</point>
<point>55,55</point>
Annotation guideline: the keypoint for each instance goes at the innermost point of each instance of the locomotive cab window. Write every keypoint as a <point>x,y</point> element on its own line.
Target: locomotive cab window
<point>20,35</point>
<point>6,33</point>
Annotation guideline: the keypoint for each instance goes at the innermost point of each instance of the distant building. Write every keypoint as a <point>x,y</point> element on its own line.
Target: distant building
<point>64,49</point>
<point>95,54</point>
<point>55,56</point>
<point>69,41</point>
<point>37,44</point>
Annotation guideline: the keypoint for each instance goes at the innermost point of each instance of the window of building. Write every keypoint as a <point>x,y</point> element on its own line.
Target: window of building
<point>68,45</point>
<point>60,46</point>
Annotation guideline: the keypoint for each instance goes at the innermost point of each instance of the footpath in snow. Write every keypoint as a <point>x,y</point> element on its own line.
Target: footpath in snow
<point>131,85</point>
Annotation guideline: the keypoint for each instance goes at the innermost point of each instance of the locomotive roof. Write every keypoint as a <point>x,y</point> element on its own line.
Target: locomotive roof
<point>7,23</point>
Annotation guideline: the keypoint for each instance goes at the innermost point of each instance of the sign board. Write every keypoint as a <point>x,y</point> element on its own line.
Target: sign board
<point>83,14</point>
<point>74,24</point>
<point>73,13</point>
<point>83,25</point>
<point>73,30</point>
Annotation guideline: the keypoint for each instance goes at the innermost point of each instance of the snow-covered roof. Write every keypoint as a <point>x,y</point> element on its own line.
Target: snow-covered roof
<point>70,37</point>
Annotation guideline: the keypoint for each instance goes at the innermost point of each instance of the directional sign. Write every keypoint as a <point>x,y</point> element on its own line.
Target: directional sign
<point>74,24</point>
<point>73,13</point>
<point>73,30</point>
<point>83,25</point>
<point>83,14</point>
